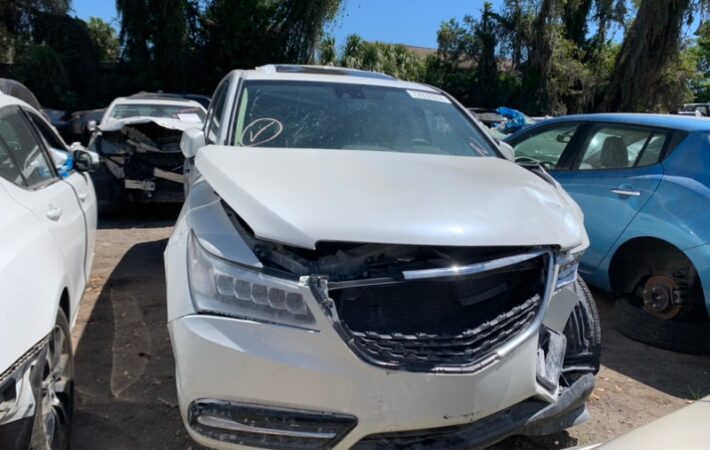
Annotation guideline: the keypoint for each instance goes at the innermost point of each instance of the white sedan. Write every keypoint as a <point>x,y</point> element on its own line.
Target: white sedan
<point>47,233</point>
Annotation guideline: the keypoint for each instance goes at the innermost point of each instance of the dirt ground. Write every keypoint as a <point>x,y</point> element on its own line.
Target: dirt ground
<point>125,382</point>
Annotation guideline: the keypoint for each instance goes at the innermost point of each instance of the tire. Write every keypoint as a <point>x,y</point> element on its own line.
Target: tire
<point>583,332</point>
<point>634,322</point>
<point>55,403</point>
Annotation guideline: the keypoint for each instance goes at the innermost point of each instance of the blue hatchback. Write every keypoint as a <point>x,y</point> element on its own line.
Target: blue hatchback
<point>643,182</point>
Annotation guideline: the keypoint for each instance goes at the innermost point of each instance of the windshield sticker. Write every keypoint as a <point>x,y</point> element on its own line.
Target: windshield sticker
<point>188,117</point>
<point>261,131</point>
<point>419,95</point>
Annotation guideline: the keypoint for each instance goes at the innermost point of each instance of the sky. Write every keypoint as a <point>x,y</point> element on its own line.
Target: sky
<point>411,22</point>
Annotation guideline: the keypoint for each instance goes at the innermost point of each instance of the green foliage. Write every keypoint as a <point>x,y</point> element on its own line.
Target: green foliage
<point>250,33</point>
<point>41,69</point>
<point>104,39</point>
<point>541,56</point>
<point>396,60</point>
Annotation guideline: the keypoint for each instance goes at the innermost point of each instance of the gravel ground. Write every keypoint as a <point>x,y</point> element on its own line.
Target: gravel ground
<point>125,382</point>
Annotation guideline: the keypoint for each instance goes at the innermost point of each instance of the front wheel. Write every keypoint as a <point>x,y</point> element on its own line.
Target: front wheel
<point>55,404</point>
<point>660,299</point>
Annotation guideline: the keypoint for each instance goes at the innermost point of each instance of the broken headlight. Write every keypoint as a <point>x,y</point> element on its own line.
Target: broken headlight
<point>568,263</point>
<point>220,287</point>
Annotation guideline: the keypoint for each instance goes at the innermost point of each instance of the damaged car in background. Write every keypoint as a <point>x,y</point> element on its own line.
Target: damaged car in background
<point>138,140</point>
<point>358,265</point>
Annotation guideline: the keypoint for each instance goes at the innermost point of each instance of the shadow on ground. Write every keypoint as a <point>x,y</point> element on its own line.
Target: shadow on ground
<point>124,368</point>
<point>140,216</point>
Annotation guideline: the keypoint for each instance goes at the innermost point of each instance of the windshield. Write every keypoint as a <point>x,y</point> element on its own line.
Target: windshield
<point>179,112</point>
<point>347,116</point>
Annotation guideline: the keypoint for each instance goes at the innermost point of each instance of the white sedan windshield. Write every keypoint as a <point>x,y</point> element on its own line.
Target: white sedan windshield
<point>319,115</point>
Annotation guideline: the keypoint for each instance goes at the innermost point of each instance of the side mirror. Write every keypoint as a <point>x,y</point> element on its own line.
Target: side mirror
<point>91,126</point>
<point>192,140</point>
<point>84,161</point>
<point>506,150</point>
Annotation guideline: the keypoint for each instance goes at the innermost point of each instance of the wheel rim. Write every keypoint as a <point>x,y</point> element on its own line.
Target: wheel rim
<point>56,388</point>
<point>659,297</point>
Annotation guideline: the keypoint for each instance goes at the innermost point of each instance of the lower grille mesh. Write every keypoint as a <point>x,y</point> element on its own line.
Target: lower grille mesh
<point>425,350</point>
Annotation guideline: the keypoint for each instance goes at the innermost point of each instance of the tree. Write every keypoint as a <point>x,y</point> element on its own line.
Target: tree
<point>17,19</point>
<point>485,33</point>
<point>104,39</point>
<point>396,60</point>
<point>32,68</point>
<point>249,33</point>
<point>650,46</point>
<point>155,35</point>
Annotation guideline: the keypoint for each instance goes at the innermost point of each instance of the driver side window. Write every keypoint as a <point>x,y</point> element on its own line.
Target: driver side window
<point>547,146</point>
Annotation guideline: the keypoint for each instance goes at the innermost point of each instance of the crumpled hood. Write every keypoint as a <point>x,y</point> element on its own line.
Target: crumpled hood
<point>170,124</point>
<point>301,197</point>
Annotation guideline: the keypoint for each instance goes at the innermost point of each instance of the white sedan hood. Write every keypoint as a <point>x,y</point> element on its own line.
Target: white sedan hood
<point>301,197</point>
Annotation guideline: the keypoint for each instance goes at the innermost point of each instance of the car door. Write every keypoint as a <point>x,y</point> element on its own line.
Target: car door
<point>80,182</point>
<point>52,201</point>
<point>613,172</point>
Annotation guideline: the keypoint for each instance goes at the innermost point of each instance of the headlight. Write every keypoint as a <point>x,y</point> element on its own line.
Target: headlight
<point>568,263</point>
<point>222,288</point>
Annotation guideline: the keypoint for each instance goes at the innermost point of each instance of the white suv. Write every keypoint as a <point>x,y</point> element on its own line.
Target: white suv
<point>358,265</point>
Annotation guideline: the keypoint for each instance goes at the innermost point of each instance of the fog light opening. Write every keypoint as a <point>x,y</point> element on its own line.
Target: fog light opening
<point>268,427</point>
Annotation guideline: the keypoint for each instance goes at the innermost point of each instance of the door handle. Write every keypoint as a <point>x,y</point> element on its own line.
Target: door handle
<point>54,213</point>
<point>82,196</point>
<point>626,192</point>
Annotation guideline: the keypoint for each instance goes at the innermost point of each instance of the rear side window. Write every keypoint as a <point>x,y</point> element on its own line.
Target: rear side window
<point>214,125</point>
<point>613,147</point>
<point>17,139</point>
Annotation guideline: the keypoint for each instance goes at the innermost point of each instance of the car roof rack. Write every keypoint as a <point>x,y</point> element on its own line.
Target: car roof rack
<point>323,70</point>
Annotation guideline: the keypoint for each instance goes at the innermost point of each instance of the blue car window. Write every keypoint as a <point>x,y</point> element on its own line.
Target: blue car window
<point>546,147</point>
<point>654,149</point>
<point>616,148</point>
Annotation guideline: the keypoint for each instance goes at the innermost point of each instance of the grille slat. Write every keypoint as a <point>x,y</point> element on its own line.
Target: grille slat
<point>425,324</point>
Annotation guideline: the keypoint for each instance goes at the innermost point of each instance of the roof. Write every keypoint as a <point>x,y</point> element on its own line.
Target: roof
<point>687,123</point>
<point>327,74</point>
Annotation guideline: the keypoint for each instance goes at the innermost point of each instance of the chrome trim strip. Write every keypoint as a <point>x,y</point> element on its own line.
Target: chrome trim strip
<point>233,425</point>
<point>471,268</point>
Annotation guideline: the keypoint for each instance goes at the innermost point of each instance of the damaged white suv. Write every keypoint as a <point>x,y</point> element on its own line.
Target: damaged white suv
<point>357,265</point>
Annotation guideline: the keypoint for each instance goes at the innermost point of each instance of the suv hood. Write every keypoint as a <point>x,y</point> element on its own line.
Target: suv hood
<point>300,197</point>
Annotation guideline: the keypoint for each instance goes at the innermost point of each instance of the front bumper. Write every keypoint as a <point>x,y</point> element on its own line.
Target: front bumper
<point>245,362</point>
<point>19,394</point>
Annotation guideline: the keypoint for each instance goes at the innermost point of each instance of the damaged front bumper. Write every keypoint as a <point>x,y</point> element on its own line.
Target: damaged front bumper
<point>233,363</point>
<point>142,160</point>
<point>19,393</point>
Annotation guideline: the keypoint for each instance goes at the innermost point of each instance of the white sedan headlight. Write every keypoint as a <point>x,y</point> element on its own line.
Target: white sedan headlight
<point>224,288</point>
<point>568,263</point>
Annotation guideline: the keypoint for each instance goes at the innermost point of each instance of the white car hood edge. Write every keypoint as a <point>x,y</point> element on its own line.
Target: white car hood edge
<point>300,197</point>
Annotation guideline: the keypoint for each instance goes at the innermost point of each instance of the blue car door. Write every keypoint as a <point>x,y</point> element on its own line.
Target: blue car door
<point>613,172</point>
